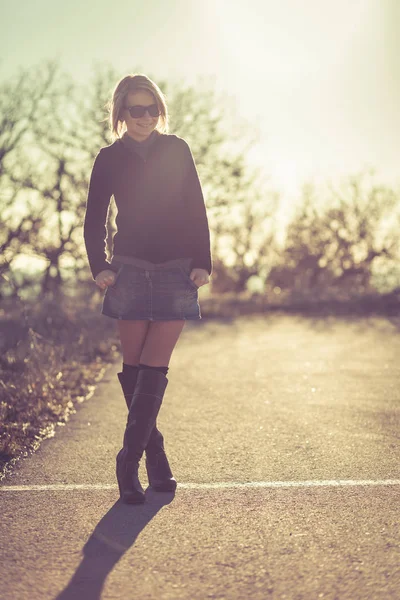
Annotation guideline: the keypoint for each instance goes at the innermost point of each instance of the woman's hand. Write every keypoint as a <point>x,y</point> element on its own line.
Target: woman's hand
<point>199,277</point>
<point>105,278</point>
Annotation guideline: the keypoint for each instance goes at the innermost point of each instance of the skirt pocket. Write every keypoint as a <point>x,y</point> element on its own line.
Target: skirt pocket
<point>187,277</point>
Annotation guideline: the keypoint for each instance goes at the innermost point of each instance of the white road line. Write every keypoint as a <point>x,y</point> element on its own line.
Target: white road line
<point>207,486</point>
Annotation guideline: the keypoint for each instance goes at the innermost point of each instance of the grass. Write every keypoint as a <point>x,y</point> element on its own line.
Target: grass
<point>53,353</point>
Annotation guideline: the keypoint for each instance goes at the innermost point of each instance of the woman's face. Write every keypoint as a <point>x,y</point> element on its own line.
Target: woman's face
<point>139,128</point>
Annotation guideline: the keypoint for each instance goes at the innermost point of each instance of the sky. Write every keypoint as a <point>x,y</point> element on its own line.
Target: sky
<point>319,80</point>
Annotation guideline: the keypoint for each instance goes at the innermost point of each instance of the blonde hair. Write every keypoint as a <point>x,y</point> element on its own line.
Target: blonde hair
<point>135,83</point>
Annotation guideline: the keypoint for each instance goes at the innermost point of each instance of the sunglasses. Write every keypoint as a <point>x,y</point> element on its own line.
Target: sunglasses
<point>139,111</point>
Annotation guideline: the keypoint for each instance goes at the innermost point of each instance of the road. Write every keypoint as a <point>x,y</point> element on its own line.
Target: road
<point>283,434</point>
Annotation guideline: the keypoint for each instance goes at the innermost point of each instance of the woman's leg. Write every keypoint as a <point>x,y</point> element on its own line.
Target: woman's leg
<point>132,335</point>
<point>160,342</point>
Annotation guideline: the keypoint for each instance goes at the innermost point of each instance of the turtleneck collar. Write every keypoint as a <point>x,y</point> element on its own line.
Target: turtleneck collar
<point>140,148</point>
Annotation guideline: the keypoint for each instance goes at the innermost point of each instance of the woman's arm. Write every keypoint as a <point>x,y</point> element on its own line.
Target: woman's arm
<point>199,229</point>
<point>94,227</point>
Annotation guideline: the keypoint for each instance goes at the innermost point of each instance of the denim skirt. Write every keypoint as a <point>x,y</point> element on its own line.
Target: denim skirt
<point>148,291</point>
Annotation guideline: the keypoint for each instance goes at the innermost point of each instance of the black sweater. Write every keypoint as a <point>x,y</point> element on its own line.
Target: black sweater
<point>161,210</point>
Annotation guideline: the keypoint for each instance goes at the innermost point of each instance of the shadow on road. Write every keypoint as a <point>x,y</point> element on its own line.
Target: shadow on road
<point>112,537</point>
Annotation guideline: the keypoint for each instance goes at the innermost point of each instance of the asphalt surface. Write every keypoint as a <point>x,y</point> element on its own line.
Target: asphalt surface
<point>283,434</point>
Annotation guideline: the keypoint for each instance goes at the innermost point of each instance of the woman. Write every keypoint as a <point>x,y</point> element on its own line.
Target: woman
<point>161,256</point>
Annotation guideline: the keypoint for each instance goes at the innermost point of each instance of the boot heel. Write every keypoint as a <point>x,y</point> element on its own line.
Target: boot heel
<point>159,473</point>
<point>130,489</point>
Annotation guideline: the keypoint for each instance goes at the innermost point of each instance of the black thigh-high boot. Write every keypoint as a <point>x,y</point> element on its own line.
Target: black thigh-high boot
<point>145,405</point>
<point>157,466</point>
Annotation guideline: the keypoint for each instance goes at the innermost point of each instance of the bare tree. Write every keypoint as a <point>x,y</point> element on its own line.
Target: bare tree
<point>22,100</point>
<point>50,150</point>
<point>334,245</point>
<point>241,208</point>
